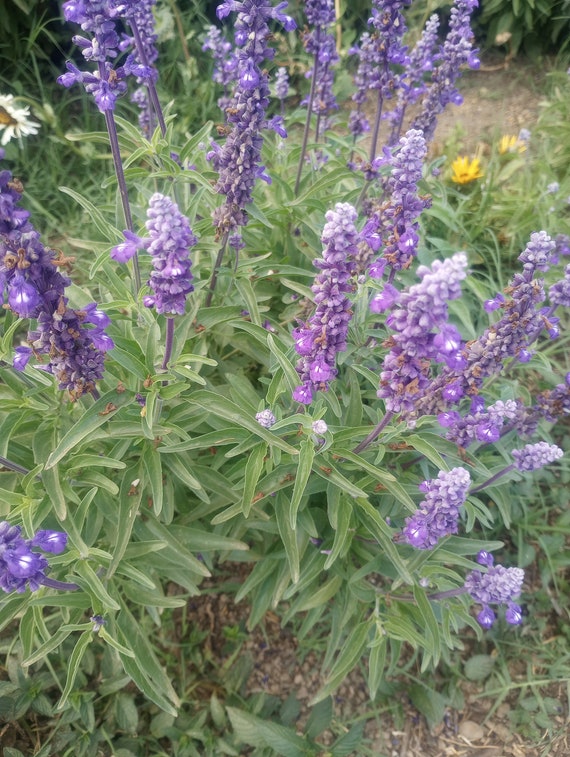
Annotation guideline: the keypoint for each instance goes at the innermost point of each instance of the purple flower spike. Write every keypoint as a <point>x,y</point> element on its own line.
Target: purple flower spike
<point>394,226</point>
<point>438,515</point>
<point>319,340</point>
<point>421,332</point>
<point>455,53</point>
<point>238,161</point>
<point>35,288</point>
<point>498,585</point>
<point>169,242</point>
<point>535,456</point>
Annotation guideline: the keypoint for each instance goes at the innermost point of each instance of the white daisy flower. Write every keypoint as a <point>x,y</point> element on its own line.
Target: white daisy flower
<point>14,122</point>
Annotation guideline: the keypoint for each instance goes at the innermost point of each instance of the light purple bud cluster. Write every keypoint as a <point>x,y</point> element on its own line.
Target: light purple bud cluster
<point>20,566</point>
<point>457,51</point>
<point>169,241</point>
<point>238,161</point>
<point>320,339</point>
<point>438,514</point>
<point>422,333</point>
<point>98,18</point>
<point>74,340</point>
<point>225,62</point>
<point>535,456</point>
<point>265,418</point>
<point>498,585</point>
<point>479,425</point>
<point>393,228</point>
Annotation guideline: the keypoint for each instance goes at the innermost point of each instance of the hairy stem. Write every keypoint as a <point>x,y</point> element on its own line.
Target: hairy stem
<point>375,433</point>
<point>309,114</point>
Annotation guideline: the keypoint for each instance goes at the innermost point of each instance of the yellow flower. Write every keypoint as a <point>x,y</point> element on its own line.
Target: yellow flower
<point>509,143</point>
<point>465,170</point>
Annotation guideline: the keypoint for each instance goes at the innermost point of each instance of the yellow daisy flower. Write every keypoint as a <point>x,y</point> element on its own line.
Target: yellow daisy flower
<point>509,143</point>
<point>465,170</point>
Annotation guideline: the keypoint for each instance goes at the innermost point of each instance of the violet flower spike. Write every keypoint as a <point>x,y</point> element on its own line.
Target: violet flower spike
<point>519,326</point>
<point>238,160</point>
<point>73,340</point>
<point>498,585</point>
<point>394,227</point>
<point>438,514</point>
<point>169,242</point>
<point>324,335</point>
<point>456,52</point>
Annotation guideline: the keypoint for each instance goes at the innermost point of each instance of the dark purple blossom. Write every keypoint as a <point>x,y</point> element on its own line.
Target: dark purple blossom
<point>20,567</point>
<point>324,335</point>
<point>498,586</point>
<point>438,514</point>
<point>238,160</point>
<point>74,340</point>
<point>98,19</point>
<point>456,52</point>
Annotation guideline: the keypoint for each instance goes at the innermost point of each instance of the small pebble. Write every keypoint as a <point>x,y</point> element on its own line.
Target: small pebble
<point>471,731</point>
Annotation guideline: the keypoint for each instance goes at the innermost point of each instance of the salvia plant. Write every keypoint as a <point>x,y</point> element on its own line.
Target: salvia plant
<point>265,365</point>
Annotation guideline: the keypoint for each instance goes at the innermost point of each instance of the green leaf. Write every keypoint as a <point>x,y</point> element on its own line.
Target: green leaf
<point>153,468</point>
<point>90,582</point>
<point>479,667</point>
<point>433,643</point>
<point>98,414</point>
<point>59,636</point>
<point>144,668</point>
<point>254,731</point>
<point>320,596</point>
<point>376,665</point>
<point>72,665</point>
<point>253,469</point>
<point>422,445</point>
<point>306,457</point>
<point>349,743</point>
<point>429,702</point>
<point>320,718</point>
<point>178,552</point>
<point>109,232</point>
<point>289,537</point>
<point>343,513</point>
<point>289,372</point>
<point>332,475</point>
<point>349,656</point>
<point>128,507</point>
<point>377,526</point>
